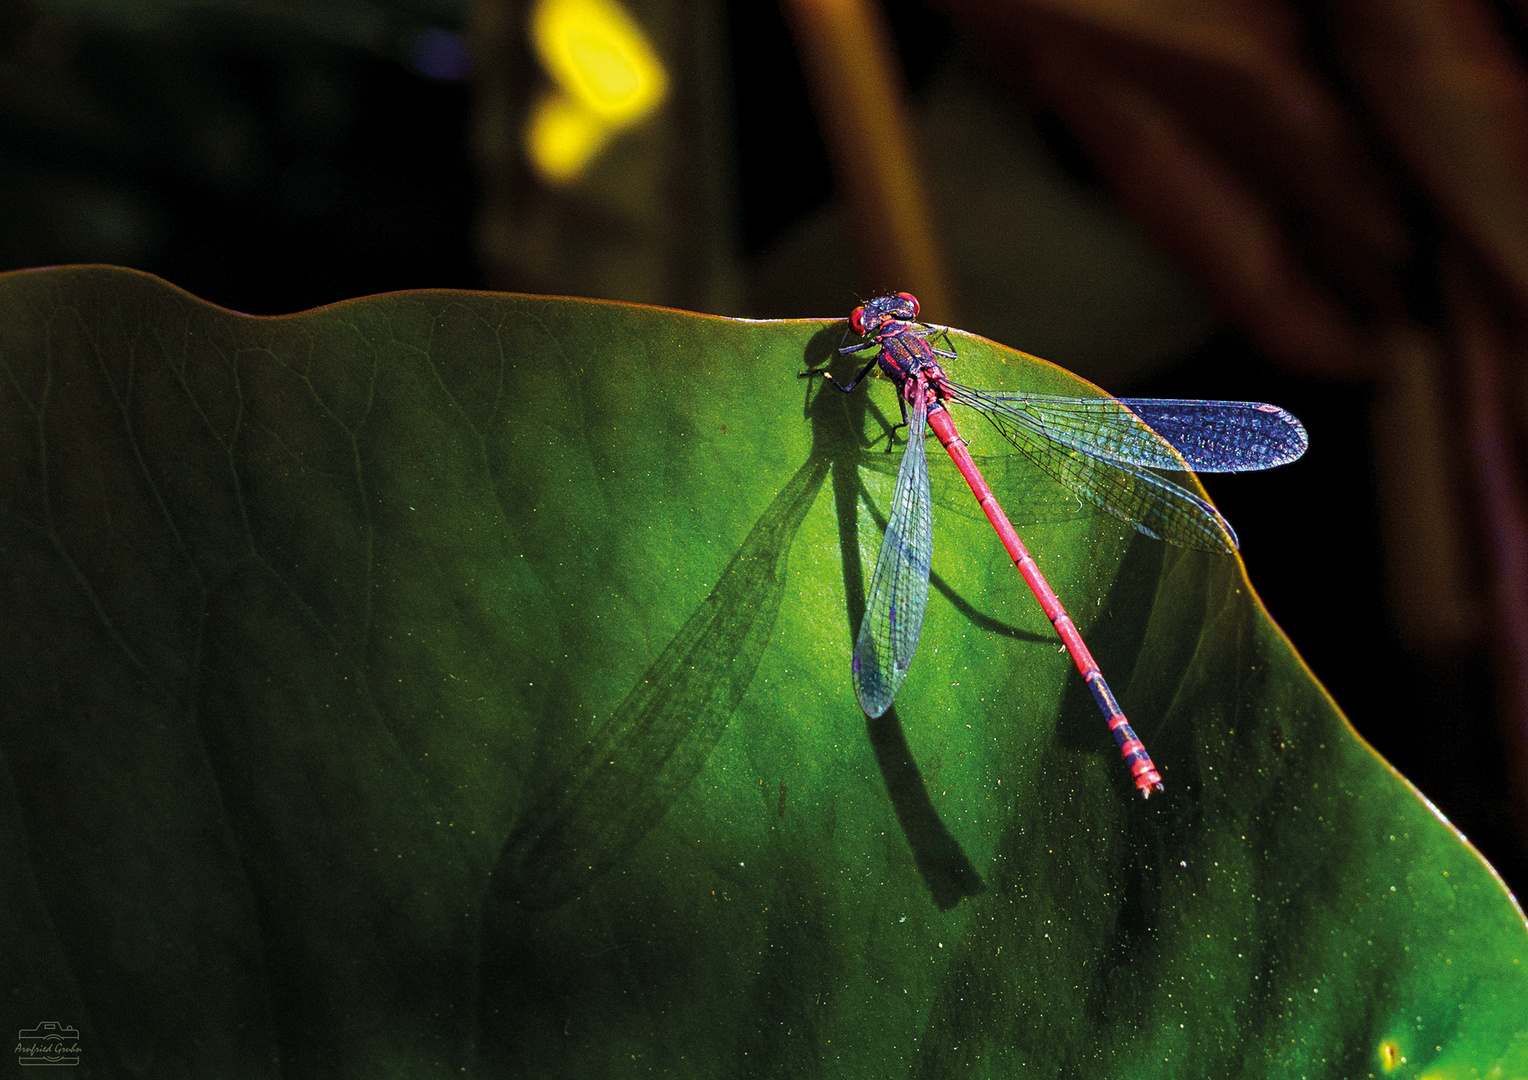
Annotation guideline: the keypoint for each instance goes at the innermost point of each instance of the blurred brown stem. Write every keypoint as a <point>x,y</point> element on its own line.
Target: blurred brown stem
<point>1416,465</point>
<point>1502,512</point>
<point>847,54</point>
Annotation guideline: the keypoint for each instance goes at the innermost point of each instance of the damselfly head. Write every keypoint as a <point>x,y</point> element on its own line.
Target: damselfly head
<point>867,319</point>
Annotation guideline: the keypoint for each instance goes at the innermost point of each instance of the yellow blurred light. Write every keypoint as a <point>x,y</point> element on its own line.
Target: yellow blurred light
<point>562,136</point>
<point>599,55</point>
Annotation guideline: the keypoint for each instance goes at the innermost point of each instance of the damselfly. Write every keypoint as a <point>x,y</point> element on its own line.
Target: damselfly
<point>1102,449</point>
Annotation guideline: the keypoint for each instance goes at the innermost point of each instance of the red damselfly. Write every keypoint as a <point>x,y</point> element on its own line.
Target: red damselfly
<point>1104,450</point>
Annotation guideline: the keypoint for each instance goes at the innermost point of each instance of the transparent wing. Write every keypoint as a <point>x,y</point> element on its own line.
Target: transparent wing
<point>1223,436</point>
<point>1101,452</point>
<point>1030,495</point>
<point>1152,504</point>
<point>1158,433</point>
<point>888,637</point>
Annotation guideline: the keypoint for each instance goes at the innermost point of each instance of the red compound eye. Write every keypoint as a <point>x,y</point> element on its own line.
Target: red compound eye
<point>911,299</point>
<point>857,320</point>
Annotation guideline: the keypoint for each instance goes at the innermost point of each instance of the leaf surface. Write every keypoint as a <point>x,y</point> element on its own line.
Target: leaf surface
<point>442,681</point>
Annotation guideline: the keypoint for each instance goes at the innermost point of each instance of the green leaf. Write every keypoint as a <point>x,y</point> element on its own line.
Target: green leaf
<point>458,683</point>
